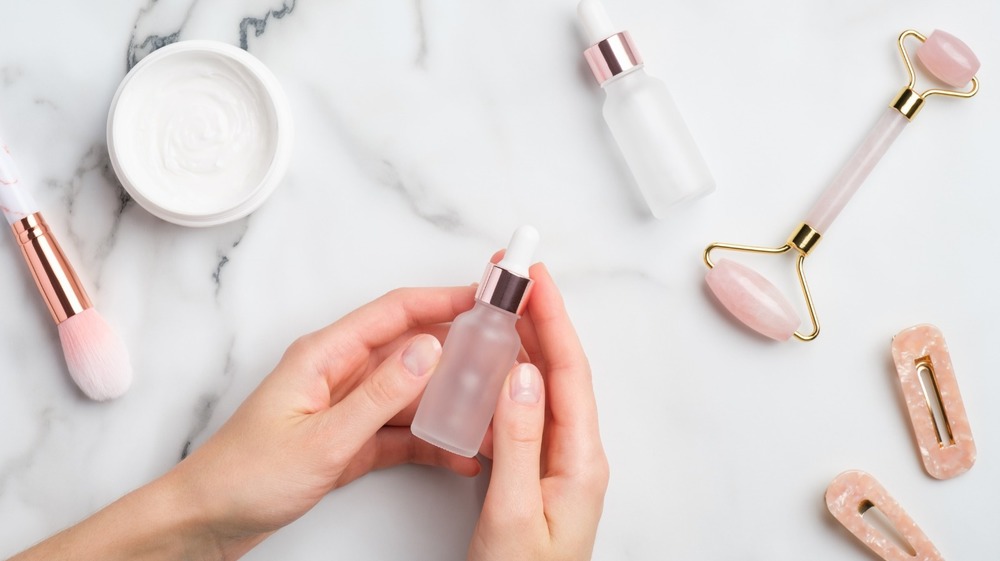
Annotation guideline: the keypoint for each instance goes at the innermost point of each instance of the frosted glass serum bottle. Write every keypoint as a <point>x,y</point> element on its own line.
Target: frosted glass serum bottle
<point>478,353</point>
<point>642,116</point>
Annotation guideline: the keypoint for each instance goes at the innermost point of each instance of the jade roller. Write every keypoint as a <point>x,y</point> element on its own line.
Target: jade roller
<point>754,300</point>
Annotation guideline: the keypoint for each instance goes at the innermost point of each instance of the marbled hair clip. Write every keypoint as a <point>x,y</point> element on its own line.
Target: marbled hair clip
<point>851,499</point>
<point>754,300</point>
<point>933,401</point>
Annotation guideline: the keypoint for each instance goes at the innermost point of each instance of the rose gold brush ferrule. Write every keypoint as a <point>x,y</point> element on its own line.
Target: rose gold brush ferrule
<point>55,277</point>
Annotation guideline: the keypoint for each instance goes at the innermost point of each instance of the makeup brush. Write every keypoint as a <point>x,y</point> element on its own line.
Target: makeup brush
<point>753,299</point>
<point>97,359</point>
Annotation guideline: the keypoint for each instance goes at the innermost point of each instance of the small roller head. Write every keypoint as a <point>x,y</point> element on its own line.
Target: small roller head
<point>753,300</point>
<point>948,58</point>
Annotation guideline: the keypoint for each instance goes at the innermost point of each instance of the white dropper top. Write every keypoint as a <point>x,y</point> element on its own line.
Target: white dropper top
<point>520,251</point>
<point>596,24</point>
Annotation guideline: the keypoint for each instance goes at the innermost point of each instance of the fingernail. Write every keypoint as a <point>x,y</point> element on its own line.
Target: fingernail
<point>526,384</point>
<point>422,354</point>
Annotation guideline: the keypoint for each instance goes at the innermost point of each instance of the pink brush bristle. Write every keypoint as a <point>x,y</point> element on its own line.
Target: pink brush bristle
<point>97,358</point>
<point>948,58</point>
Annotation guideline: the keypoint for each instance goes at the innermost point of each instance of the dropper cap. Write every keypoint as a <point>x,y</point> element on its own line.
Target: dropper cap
<point>594,20</point>
<point>612,51</point>
<point>506,285</point>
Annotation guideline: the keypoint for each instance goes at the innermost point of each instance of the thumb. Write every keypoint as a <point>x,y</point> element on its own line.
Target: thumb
<point>396,383</point>
<point>517,442</point>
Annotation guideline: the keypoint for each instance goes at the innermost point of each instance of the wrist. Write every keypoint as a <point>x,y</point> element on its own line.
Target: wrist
<point>180,527</point>
<point>154,522</point>
<point>202,526</point>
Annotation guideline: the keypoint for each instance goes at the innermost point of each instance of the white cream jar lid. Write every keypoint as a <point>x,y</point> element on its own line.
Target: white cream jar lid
<point>199,133</point>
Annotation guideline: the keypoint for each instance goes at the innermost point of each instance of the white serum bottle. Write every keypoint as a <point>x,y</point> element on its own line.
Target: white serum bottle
<point>478,353</point>
<point>642,116</point>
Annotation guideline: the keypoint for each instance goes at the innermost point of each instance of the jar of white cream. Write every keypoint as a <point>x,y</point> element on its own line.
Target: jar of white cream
<point>199,133</point>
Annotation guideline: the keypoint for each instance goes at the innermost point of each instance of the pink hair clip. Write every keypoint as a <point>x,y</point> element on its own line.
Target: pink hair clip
<point>854,498</point>
<point>933,401</point>
<point>754,300</point>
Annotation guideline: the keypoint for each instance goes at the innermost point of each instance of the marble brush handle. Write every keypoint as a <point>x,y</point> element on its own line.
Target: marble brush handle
<point>854,172</point>
<point>15,201</point>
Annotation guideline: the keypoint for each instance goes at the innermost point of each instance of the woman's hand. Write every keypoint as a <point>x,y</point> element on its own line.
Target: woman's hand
<point>549,470</point>
<point>337,406</point>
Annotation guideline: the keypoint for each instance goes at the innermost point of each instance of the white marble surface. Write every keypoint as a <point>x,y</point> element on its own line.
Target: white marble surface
<point>426,131</point>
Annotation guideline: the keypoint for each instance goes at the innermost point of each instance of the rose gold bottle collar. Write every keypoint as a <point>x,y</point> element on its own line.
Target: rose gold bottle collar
<point>613,56</point>
<point>504,289</point>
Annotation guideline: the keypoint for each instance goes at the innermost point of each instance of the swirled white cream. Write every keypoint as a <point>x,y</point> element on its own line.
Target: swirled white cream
<point>195,132</point>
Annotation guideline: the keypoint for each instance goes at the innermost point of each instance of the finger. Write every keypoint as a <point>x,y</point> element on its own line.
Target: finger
<point>377,355</point>
<point>486,448</point>
<point>518,423</point>
<point>346,382</point>
<point>571,401</point>
<point>529,341</point>
<point>405,417</point>
<point>556,336</point>
<point>498,256</point>
<point>345,344</point>
<point>391,387</point>
<point>393,446</point>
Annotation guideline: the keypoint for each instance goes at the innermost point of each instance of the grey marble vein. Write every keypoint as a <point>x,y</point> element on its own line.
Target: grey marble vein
<point>46,102</point>
<point>259,25</point>
<point>148,45</point>
<point>609,273</point>
<point>122,196</point>
<point>18,464</point>
<point>218,271</point>
<point>94,160</point>
<point>124,199</point>
<point>420,201</point>
<point>205,407</point>
<point>421,59</point>
<point>9,75</point>
<point>95,157</point>
<point>139,49</point>
<point>224,257</point>
<point>383,171</point>
<point>203,414</point>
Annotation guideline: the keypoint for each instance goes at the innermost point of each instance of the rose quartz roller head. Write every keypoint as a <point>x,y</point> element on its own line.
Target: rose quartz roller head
<point>750,297</point>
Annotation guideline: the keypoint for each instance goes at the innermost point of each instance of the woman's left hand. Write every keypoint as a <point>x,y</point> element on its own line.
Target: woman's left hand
<point>337,406</point>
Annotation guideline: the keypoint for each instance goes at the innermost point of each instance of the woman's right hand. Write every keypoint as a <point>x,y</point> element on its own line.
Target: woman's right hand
<point>550,473</point>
